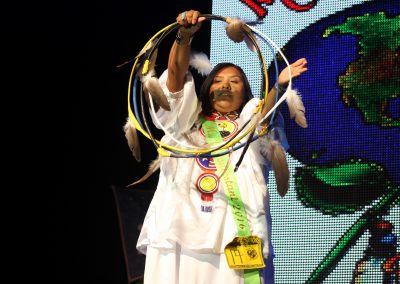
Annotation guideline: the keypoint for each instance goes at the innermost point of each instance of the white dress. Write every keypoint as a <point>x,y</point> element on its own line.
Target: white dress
<point>182,243</point>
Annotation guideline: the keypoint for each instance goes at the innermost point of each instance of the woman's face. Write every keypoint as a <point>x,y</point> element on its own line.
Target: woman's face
<point>227,90</point>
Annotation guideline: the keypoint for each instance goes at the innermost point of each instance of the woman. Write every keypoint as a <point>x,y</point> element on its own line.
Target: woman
<point>201,204</point>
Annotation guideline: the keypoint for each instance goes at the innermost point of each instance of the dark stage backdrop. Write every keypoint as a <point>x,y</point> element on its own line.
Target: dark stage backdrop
<point>88,43</point>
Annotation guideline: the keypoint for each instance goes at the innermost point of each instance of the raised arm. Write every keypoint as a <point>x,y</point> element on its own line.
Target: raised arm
<point>178,62</point>
<point>298,67</point>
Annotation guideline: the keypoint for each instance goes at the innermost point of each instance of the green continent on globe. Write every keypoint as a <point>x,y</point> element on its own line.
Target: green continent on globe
<point>373,80</point>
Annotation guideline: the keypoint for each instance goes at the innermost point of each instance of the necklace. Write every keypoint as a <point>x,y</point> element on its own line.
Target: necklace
<point>232,115</point>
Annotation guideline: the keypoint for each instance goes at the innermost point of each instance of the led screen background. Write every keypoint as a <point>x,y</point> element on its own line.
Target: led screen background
<point>351,145</point>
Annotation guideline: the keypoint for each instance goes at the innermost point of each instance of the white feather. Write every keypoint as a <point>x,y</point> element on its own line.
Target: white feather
<point>146,48</point>
<point>133,139</point>
<point>296,107</point>
<point>280,168</point>
<point>153,167</point>
<point>250,44</point>
<point>142,52</point>
<point>151,73</point>
<point>266,148</point>
<point>150,68</point>
<point>200,62</point>
<point>152,85</point>
<point>273,151</point>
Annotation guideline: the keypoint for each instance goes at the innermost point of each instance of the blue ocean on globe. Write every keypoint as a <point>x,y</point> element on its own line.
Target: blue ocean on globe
<point>336,132</point>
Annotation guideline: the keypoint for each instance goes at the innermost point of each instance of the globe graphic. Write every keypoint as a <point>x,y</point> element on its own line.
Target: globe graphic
<point>351,90</point>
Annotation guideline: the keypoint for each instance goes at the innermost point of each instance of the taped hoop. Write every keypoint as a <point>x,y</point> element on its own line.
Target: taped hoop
<point>167,150</point>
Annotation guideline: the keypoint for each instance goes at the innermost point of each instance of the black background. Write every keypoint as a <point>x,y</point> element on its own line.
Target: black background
<point>85,48</point>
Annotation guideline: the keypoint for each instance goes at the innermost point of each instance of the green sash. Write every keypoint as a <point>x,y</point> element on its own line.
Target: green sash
<point>229,182</point>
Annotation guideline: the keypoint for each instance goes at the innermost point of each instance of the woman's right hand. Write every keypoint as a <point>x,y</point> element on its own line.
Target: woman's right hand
<point>179,56</point>
<point>190,21</point>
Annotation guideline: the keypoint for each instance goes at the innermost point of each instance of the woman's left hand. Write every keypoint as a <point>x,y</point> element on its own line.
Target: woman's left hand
<point>298,67</point>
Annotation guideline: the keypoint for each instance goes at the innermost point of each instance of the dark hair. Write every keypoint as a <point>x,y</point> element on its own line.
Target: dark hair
<point>204,96</point>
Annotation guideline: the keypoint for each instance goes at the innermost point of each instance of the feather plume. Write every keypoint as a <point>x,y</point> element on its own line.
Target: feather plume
<point>140,54</point>
<point>133,139</point>
<point>234,29</point>
<point>150,66</point>
<point>152,85</point>
<point>280,167</point>
<point>200,62</point>
<point>153,167</point>
<point>150,74</point>
<point>296,107</point>
<point>249,42</point>
<point>273,151</point>
<point>144,50</point>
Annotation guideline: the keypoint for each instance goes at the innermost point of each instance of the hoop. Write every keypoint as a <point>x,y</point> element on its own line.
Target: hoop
<point>167,150</point>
